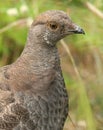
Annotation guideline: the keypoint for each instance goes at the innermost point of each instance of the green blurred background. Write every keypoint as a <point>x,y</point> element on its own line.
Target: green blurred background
<point>83,69</point>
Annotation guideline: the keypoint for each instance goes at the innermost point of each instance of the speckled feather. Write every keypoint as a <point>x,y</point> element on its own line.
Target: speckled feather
<point>32,89</point>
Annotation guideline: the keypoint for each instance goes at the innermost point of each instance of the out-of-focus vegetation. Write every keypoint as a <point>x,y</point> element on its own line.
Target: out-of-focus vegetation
<point>85,86</point>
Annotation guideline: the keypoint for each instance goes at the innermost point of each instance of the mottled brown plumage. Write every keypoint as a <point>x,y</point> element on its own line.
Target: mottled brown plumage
<point>32,90</point>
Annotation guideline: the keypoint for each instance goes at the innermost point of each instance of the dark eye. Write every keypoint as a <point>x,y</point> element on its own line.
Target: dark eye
<point>53,26</point>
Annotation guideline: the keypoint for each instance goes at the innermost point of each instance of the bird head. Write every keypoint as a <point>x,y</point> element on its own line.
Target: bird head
<point>54,25</point>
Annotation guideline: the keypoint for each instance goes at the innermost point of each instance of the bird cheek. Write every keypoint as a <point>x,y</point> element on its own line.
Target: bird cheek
<point>63,31</point>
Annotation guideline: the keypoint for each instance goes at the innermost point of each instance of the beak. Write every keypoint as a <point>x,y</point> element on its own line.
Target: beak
<point>77,30</point>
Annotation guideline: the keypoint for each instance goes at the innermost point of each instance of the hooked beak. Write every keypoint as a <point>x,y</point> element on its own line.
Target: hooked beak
<point>77,30</point>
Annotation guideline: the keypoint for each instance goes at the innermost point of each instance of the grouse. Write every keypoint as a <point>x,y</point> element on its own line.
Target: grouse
<point>32,89</point>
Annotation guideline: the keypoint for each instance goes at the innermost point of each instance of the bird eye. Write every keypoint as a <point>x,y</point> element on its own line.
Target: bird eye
<point>53,26</point>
